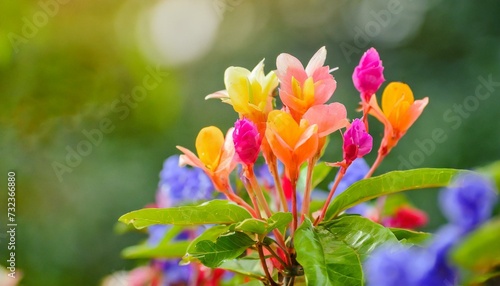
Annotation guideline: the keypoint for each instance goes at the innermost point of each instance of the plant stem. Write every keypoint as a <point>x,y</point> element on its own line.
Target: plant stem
<point>330,195</point>
<point>252,196</point>
<point>257,190</point>
<point>264,265</point>
<point>235,198</point>
<point>273,253</point>
<point>294,207</point>
<point>307,193</point>
<point>273,169</point>
<point>380,158</point>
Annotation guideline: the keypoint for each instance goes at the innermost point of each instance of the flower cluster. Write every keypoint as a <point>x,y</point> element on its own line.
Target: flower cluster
<point>467,203</point>
<point>271,205</point>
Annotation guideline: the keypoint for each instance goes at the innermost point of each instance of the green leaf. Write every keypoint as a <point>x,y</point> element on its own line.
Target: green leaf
<point>165,250</point>
<point>410,236</point>
<point>212,212</point>
<point>210,234</point>
<point>332,254</point>
<point>226,247</point>
<point>247,267</point>
<point>390,183</point>
<point>278,220</point>
<point>480,251</point>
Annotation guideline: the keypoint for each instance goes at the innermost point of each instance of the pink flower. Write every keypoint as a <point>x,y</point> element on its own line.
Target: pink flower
<point>246,140</point>
<point>357,142</point>
<point>302,88</point>
<point>368,75</point>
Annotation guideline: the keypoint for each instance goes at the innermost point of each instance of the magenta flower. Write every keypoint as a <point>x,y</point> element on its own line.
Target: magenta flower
<point>246,140</point>
<point>368,75</point>
<point>357,142</point>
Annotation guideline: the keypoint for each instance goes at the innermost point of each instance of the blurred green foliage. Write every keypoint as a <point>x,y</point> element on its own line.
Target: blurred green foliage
<point>63,78</point>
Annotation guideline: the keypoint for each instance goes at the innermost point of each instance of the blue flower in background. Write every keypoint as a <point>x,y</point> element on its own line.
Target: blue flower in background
<point>181,185</point>
<point>469,201</point>
<point>397,265</point>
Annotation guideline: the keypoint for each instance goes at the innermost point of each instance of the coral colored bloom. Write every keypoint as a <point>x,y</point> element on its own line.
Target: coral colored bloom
<point>249,92</point>
<point>407,217</point>
<point>292,143</point>
<point>368,76</point>
<point>357,142</point>
<point>302,88</point>
<point>215,155</point>
<point>328,117</point>
<point>247,141</point>
<point>399,112</point>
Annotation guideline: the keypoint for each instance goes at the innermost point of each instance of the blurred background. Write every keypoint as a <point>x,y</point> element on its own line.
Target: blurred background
<point>94,96</point>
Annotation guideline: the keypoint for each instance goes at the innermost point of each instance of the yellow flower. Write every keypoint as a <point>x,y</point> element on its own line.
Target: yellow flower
<point>399,111</point>
<point>249,92</point>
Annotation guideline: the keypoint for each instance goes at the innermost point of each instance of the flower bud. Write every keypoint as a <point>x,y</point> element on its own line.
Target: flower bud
<point>357,142</point>
<point>368,75</point>
<point>246,140</point>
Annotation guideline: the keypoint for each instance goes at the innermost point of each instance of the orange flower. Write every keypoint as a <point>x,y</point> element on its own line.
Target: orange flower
<point>291,142</point>
<point>215,155</point>
<point>399,112</point>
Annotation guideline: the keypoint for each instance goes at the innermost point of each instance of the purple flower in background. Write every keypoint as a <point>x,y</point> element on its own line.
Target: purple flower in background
<point>368,76</point>
<point>397,265</point>
<point>357,142</point>
<point>181,185</point>
<point>246,140</point>
<point>468,201</point>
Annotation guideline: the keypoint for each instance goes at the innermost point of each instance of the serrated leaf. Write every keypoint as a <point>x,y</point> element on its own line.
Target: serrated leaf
<point>480,251</point>
<point>165,250</point>
<point>226,247</point>
<point>332,254</point>
<point>390,183</point>
<point>410,236</point>
<point>212,212</point>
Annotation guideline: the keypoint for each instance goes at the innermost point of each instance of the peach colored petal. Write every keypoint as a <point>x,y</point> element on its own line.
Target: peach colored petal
<point>227,162</point>
<point>189,158</point>
<point>288,66</point>
<point>316,62</point>
<point>413,113</point>
<point>221,94</point>
<point>329,118</point>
